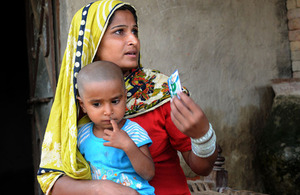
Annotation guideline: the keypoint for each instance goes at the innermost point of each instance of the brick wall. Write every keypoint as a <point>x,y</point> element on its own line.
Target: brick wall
<point>293,16</point>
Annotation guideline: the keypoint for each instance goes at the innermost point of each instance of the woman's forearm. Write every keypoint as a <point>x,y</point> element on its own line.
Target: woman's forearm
<point>201,166</point>
<point>66,185</point>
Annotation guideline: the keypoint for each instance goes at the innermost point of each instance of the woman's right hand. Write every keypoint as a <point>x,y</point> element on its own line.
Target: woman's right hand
<point>67,185</point>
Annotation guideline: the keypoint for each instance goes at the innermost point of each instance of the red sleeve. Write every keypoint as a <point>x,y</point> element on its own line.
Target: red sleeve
<point>178,140</point>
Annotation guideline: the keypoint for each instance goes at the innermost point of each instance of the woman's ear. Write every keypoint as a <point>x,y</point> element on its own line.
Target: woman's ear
<point>81,104</point>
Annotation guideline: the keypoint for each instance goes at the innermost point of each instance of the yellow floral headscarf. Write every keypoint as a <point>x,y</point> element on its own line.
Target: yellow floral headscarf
<point>147,89</point>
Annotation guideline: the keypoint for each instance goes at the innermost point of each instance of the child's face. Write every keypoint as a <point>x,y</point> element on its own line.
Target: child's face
<point>103,101</point>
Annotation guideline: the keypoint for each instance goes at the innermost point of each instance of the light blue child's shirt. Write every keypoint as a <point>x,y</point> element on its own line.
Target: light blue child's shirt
<point>112,163</point>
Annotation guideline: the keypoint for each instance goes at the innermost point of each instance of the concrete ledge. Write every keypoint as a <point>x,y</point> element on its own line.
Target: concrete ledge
<point>286,86</point>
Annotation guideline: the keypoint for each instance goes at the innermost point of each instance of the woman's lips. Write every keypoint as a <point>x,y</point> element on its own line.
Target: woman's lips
<point>131,53</point>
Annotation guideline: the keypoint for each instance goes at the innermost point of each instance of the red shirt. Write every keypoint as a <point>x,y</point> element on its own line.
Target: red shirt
<point>167,139</point>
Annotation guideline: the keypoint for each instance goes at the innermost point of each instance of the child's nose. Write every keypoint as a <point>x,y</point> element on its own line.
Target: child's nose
<point>108,110</point>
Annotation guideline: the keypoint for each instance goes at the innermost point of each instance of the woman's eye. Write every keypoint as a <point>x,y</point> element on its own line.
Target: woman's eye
<point>135,32</point>
<point>119,32</point>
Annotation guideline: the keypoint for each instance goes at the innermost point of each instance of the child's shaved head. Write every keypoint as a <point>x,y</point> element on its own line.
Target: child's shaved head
<point>97,72</point>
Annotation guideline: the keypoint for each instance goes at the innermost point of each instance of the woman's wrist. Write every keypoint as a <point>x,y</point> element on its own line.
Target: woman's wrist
<point>205,146</point>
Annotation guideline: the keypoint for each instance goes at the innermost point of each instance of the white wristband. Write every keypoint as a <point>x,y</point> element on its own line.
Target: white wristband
<point>205,137</point>
<point>206,145</point>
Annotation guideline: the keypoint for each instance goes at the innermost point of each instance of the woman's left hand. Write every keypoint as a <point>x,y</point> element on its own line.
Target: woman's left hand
<point>188,116</point>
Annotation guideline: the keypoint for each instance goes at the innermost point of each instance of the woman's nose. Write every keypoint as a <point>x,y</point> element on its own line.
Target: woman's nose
<point>132,39</point>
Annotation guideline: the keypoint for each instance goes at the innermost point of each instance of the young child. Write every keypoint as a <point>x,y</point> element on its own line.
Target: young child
<point>116,148</point>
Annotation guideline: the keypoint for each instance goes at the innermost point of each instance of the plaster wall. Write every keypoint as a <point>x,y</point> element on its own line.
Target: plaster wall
<point>226,53</point>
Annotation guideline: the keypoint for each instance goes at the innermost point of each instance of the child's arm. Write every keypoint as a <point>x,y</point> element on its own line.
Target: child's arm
<point>140,158</point>
<point>141,161</point>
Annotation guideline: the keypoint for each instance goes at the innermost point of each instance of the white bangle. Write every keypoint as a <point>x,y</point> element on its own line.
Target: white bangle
<point>206,145</point>
<point>205,137</point>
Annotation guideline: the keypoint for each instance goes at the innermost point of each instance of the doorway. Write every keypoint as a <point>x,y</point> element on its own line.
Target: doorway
<point>16,168</point>
<point>42,47</point>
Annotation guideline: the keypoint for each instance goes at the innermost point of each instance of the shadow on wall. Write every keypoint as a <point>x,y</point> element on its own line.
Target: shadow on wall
<point>240,142</point>
<point>279,149</point>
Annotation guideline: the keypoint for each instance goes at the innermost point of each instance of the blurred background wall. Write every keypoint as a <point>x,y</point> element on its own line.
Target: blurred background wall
<point>226,52</point>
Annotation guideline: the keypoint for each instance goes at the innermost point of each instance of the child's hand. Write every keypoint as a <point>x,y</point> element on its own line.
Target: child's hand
<point>117,137</point>
<point>140,158</point>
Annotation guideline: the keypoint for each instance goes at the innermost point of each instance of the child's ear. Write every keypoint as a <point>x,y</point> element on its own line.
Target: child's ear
<point>126,91</point>
<point>81,104</point>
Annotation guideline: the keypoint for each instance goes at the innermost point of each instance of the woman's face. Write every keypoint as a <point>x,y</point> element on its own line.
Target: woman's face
<point>120,43</point>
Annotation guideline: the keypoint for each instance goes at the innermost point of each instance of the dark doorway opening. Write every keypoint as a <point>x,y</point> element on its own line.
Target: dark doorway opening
<point>16,168</point>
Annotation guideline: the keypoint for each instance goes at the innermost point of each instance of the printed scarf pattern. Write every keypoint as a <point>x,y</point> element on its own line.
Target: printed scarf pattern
<point>147,90</point>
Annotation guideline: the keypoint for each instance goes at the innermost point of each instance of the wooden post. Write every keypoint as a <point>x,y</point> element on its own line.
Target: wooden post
<point>218,175</point>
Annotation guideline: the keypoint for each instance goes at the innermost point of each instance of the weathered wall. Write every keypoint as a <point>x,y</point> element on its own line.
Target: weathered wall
<point>226,52</point>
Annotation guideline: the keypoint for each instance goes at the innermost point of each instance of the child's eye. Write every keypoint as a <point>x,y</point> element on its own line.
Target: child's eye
<point>116,101</point>
<point>96,104</point>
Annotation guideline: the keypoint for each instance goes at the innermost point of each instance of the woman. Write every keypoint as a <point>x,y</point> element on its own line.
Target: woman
<point>107,30</point>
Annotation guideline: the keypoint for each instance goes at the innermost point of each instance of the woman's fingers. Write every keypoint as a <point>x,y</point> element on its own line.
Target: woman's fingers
<point>183,110</point>
<point>175,121</point>
<point>188,116</point>
<point>188,102</point>
<point>179,113</point>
